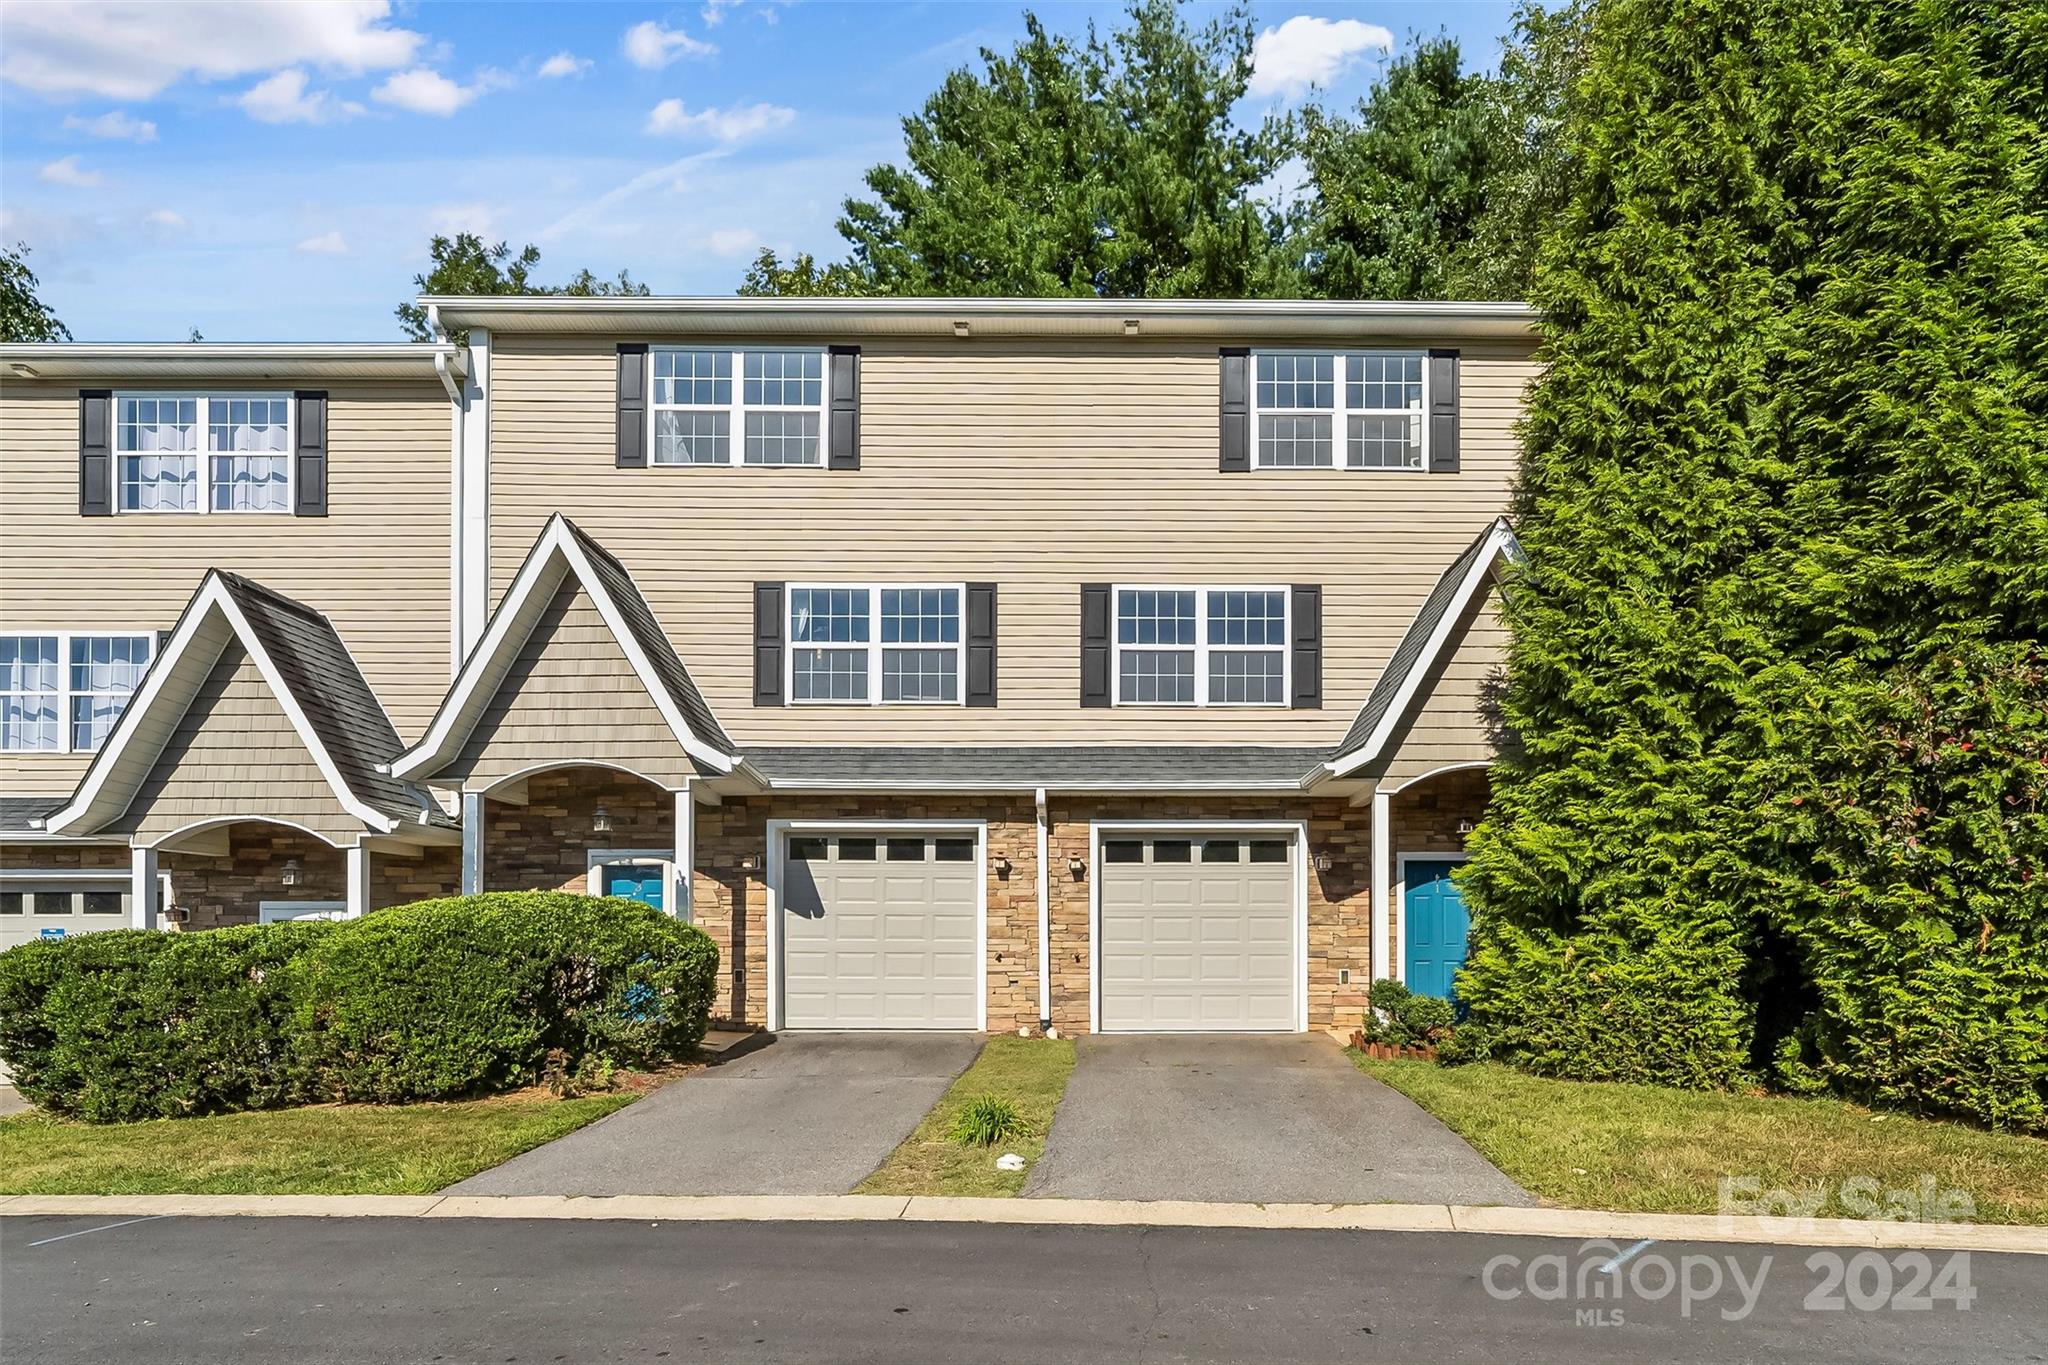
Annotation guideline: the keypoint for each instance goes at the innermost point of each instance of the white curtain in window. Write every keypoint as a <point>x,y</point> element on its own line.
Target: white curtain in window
<point>160,483</point>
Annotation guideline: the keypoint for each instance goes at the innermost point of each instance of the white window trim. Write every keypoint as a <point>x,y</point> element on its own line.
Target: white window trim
<point>873,644</point>
<point>1202,647</point>
<point>205,454</point>
<point>737,409</point>
<point>1340,414</point>
<point>65,691</point>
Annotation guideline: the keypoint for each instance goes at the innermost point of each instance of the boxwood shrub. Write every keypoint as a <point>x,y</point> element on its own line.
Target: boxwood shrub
<point>436,1000</point>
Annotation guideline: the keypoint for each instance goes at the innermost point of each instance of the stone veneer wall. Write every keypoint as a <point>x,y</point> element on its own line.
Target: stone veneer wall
<point>218,892</point>
<point>544,845</point>
<point>64,857</point>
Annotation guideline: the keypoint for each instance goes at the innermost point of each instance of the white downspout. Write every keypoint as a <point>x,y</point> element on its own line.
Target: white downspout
<point>1044,922</point>
<point>457,410</point>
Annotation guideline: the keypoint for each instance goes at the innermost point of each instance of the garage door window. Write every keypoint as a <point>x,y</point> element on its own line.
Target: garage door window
<point>1219,850</point>
<point>906,850</point>
<point>954,850</point>
<point>807,850</point>
<point>1269,850</point>
<point>1123,851</point>
<point>856,850</point>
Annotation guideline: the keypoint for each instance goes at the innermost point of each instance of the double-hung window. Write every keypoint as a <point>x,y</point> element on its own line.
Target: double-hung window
<point>195,452</point>
<point>870,644</point>
<point>1307,406</point>
<point>62,693</point>
<point>753,406</point>
<point>1201,646</point>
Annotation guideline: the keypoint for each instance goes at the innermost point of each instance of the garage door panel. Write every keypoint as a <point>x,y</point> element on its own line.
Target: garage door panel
<point>1202,945</point>
<point>883,939</point>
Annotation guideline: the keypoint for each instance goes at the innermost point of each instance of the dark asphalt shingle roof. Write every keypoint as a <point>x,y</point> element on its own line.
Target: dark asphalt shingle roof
<point>618,584</point>
<point>317,669</point>
<point>19,813</point>
<point>1056,766</point>
<point>1407,656</point>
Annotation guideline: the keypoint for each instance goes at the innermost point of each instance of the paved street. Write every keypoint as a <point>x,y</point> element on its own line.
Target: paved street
<point>810,1113</point>
<point>1250,1119</point>
<point>370,1290</point>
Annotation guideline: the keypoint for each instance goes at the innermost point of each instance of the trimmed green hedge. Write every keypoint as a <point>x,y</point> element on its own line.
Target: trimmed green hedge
<point>436,1000</point>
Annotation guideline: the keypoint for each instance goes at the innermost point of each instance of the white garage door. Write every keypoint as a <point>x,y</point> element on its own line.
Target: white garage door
<point>42,907</point>
<point>878,932</point>
<point>1198,934</point>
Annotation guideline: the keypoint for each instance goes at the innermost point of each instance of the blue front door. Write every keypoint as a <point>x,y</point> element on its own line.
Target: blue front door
<point>635,881</point>
<point>1436,928</point>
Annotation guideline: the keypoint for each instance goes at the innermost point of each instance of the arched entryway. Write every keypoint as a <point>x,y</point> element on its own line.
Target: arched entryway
<point>1430,818</point>
<point>582,827</point>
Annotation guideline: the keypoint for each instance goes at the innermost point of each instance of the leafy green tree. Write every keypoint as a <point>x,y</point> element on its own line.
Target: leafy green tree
<point>803,277</point>
<point>463,264</point>
<point>1072,168</point>
<point>1779,801</point>
<point>23,316</point>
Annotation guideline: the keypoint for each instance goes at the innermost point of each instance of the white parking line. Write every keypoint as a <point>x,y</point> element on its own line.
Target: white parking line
<point>104,1227</point>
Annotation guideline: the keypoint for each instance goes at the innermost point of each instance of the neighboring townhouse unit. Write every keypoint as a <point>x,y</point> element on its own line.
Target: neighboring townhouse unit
<point>956,664</point>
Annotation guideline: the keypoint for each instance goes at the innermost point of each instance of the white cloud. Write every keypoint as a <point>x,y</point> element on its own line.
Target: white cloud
<point>133,49</point>
<point>167,220</point>
<point>648,44</point>
<point>113,124</point>
<point>448,219</point>
<point>731,242</point>
<point>1307,51</point>
<point>66,171</point>
<point>283,98</point>
<point>425,91</point>
<point>564,64</point>
<point>326,244</point>
<point>714,11</point>
<point>726,125</point>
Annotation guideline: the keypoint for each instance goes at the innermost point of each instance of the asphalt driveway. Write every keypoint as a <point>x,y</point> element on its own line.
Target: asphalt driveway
<point>1245,1118</point>
<point>810,1113</point>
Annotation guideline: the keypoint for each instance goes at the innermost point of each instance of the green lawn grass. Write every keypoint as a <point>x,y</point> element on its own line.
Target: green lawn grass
<point>1645,1148</point>
<point>1030,1073</point>
<point>326,1149</point>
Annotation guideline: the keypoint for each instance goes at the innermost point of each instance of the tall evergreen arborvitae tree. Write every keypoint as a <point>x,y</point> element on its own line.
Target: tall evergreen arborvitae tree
<point>1777,671</point>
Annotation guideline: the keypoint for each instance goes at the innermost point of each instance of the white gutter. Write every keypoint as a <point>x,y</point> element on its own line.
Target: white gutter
<point>1044,922</point>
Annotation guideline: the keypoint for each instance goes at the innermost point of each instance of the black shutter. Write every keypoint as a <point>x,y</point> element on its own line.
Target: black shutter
<point>1234,452</point>
<point>1095,651</point>
<point>1443,412</point>
<point>767,644</point>
<point>844,363</point>
<point>95,452</point>
<point>981,644</point>
<point>1307,611</point>
<point>309,458</point>
<point>630,446</point>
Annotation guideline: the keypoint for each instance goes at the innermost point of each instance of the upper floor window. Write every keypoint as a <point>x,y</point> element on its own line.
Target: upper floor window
<point>1304,403</point>
<point>184,452</point>
<point>1201,646</point>
<point>62,693</point>
<point>869,644</point>
<point>765,405</point>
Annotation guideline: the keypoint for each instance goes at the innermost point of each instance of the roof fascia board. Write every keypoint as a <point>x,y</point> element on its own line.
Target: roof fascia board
<point>74,359</point>
<point>1500,543</point>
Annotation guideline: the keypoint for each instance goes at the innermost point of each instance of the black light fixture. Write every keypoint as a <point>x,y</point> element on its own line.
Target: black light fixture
<point>288,875</point>
<point>1323,860</point>
<point>1465,827</point>
<point>750,862</point>
<point>601,821</point>
<point>1002,866</point>
<point>1076,868</point>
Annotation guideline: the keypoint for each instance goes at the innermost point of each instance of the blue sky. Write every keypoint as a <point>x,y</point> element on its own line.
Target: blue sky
<point>270,170</point>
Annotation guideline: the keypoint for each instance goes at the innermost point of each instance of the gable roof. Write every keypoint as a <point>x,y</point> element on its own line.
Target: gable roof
<point>310,671</point>
<point>563,550</point>
<point>1423,644</point>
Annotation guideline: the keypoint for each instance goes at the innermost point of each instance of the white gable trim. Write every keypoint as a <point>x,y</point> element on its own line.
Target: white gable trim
<point>1500,544</point>
<point>467,698</point>
<point>213,595</point>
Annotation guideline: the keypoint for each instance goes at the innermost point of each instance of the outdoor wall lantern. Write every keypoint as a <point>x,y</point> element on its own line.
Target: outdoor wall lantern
<point>1464,827</point>
<point>601,821</point>
<point>751,863</point>
<point>1323,861</point>
<point>288,875</point>
<point>1002,866</point>
<point>1076,867</point>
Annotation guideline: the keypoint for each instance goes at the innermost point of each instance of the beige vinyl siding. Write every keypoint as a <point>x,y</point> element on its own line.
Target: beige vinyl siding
<point>1038,466</point>
<point>236,753</point>
<point>570,697</point>
<point>1450,725</point>
<point>376,564</point>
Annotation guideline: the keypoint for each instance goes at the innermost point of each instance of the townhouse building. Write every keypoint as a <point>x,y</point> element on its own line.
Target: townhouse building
<point>954,664</point>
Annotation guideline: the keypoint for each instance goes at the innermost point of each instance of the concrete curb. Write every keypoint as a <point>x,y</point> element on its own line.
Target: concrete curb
<point>1580,1224</point>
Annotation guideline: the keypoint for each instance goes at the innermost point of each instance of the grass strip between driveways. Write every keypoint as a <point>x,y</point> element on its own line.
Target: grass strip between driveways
<point>1598,1145</point>
<point>324,1149</point>
<point>1031,1073</point>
